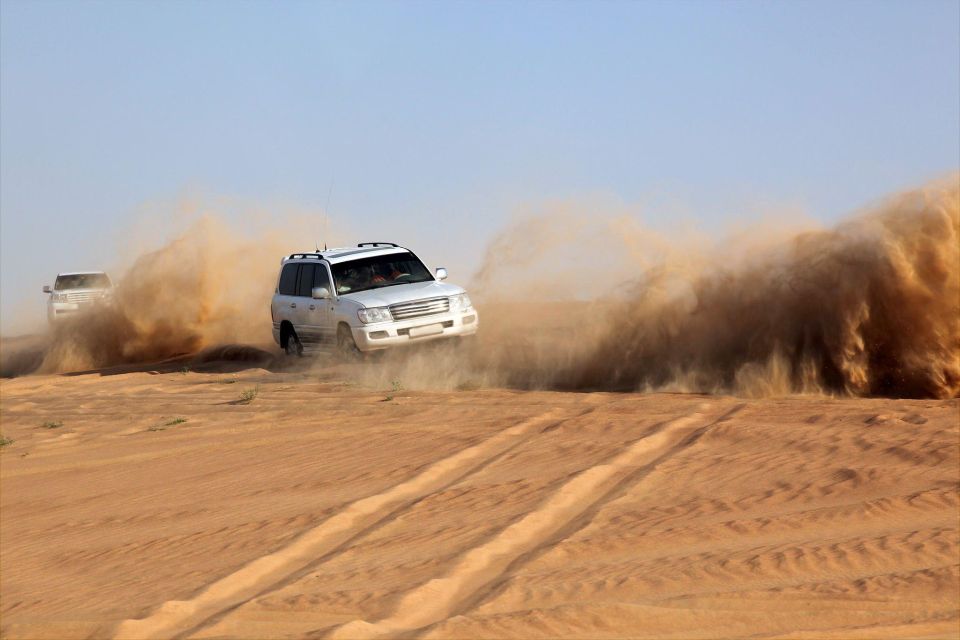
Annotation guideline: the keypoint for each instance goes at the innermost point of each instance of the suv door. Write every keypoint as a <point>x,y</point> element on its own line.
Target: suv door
<point>321,311</point>
<point>285,301</point>
<point>304,305</point>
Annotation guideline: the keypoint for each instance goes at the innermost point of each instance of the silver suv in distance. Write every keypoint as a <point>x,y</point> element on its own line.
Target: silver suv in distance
<point>365,298</point>
<point>74,292</point>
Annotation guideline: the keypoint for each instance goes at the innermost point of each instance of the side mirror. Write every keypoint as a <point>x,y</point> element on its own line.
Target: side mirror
<point>46,288</point>
<point>441,273</point>
<point>320,293</point>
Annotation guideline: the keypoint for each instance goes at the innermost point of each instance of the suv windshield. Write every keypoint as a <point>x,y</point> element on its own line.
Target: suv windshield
<point>379,271</point>
<point>82,281</point>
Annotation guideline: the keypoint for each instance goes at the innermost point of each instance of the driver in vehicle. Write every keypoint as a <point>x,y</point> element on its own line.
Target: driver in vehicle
<point>393,270</point>
<point>396,273</point>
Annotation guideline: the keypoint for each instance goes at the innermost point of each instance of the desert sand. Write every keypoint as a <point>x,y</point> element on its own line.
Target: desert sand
<point>160,502</point>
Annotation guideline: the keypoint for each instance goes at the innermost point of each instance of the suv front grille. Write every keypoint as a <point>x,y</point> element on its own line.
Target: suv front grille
<point>418,308</point>
<point>84,296</point>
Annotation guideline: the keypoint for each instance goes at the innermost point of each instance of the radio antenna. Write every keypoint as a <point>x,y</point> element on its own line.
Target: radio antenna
<point>326,214</point>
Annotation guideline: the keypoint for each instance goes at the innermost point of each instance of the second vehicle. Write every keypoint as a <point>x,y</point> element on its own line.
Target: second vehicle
<point>74,292</point>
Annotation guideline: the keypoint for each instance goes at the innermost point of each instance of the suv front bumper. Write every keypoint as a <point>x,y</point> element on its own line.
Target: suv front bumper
<point>62,310</point>
<point>382,335</point>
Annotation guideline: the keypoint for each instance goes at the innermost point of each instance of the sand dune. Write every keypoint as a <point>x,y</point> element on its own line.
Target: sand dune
<point>156,503</point>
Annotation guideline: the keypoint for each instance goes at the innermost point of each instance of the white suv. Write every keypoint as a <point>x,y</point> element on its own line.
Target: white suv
<point>365,298</point>
<point>75,291</point>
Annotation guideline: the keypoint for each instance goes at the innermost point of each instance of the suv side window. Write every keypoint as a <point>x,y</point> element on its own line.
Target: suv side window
<point>322,278</point>
<point>288,280</point>
<point>305,281</point>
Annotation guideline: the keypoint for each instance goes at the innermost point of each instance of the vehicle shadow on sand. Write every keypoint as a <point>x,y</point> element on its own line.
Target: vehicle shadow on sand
<point>25,356</point>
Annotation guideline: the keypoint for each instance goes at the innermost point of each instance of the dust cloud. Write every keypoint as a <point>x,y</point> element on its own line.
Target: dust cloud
<point>871,307</point>
<point>574,301</point>
<point>211,285</point>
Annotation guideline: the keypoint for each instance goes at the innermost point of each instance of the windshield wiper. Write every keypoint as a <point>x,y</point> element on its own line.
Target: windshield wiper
<point>391,284</point>
<point>385,284</point>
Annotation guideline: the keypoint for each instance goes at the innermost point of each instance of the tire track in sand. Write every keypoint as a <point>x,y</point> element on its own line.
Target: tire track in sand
<point>564,511</point>
<point>176,617</point>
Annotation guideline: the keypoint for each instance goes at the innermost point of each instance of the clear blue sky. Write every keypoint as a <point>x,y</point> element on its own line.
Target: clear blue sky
<point>459,109</point>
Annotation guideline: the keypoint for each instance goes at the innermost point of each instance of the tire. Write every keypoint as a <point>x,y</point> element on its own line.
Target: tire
<point>346,345</point>
<point>292,346</point>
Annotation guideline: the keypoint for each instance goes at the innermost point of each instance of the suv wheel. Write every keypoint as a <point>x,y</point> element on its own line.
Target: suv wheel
<point>346,345</point>
<point>293,346</point>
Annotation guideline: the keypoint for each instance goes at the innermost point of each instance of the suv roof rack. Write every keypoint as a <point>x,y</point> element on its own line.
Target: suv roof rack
<point>376,244</point>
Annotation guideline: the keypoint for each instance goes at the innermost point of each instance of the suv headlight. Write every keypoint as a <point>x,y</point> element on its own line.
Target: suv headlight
<point>59,297</point>
<point>460,302</point>
<point>374,314</point>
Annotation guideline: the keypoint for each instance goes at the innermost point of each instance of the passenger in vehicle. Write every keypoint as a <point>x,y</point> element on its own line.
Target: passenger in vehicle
<point>357,278</point>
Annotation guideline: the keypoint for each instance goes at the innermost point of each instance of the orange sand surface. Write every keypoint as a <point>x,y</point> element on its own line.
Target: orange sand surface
<point>148,504</point>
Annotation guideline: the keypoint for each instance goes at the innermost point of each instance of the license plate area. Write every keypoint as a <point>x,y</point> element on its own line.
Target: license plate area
<point>427,330</point>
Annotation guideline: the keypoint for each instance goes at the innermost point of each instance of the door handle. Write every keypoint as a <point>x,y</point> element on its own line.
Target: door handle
<point>312,307</point>
<point>293,305</point>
